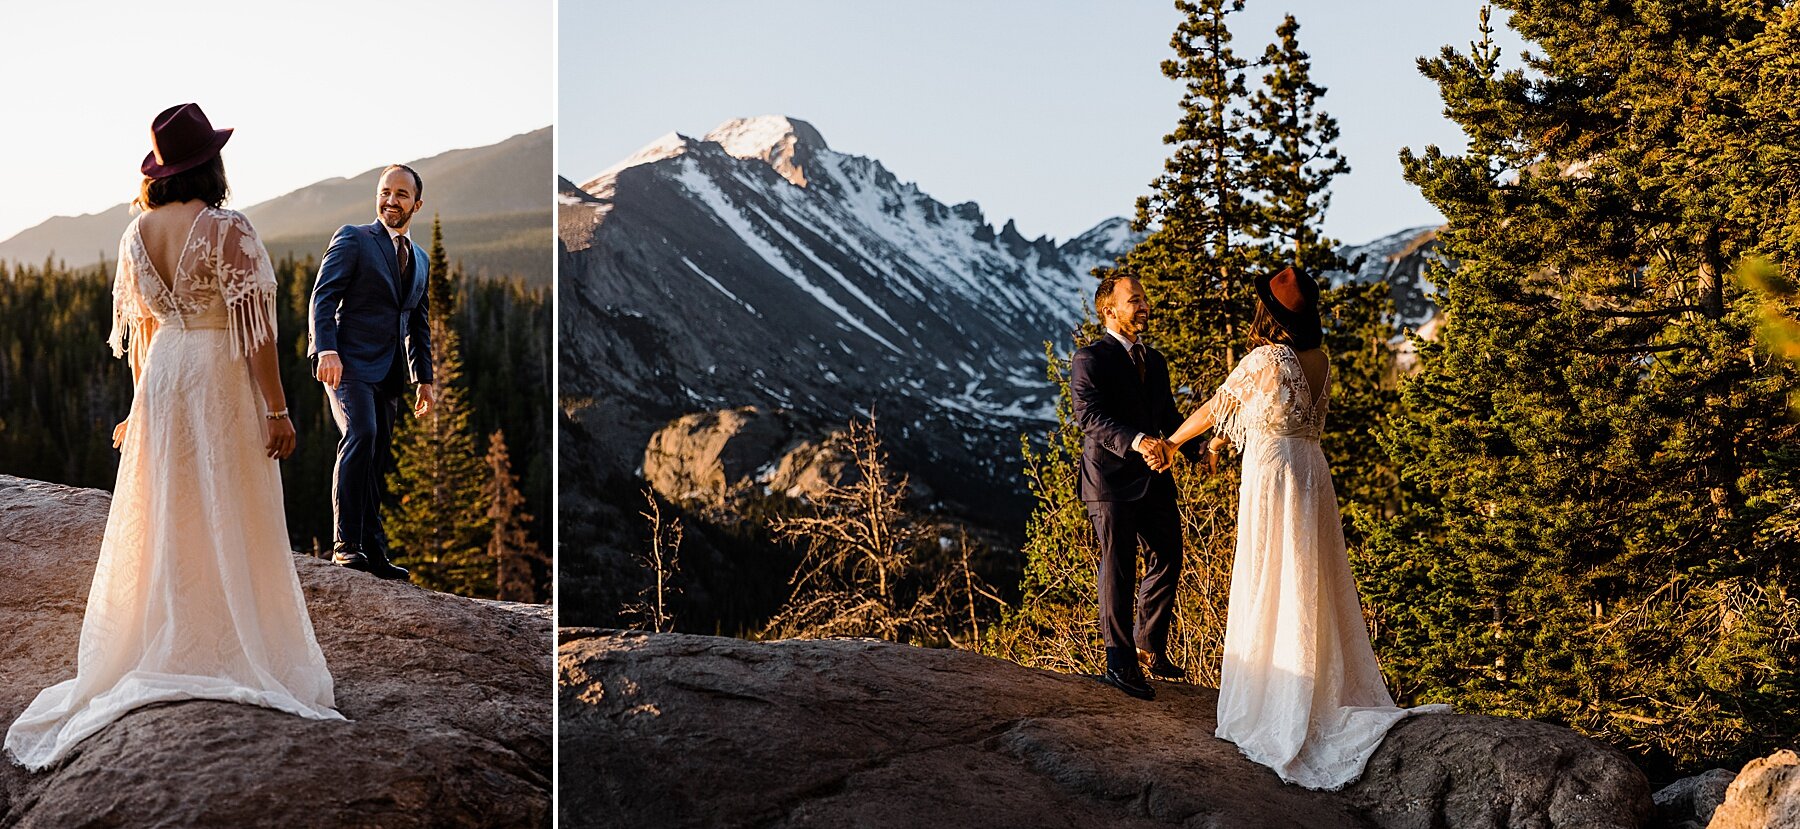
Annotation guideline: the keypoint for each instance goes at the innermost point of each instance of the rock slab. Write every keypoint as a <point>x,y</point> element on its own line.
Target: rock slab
<point>1765,795</point>
<point>675,730</point>
<point>1689,803</point>
<point>448,700</point>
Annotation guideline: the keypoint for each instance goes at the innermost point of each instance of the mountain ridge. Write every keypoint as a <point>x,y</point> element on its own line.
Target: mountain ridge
<point>888,295</point>
<point>492,197</point>
<point>762,207</point>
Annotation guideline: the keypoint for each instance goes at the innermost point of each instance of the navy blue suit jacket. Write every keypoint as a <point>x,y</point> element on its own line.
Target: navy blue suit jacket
<point>1112,406</point>
<point>361,309</point>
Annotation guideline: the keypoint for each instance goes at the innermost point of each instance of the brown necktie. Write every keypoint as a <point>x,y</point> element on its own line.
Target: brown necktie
<point>1137,359</point>
<point>402,253</point>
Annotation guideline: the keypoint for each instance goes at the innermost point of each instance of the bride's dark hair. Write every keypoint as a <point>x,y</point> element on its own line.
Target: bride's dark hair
<point>1264,330</point>
<point>205,182</point>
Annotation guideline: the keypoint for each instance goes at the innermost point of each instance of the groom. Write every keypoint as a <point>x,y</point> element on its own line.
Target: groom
<point>1123,405</point>
<point>369,340</point>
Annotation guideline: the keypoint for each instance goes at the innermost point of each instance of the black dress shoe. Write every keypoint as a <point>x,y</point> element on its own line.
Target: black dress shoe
<point>1133,686</point>
<point>1158,665</point>
<point>349,555</point>
<point>384,569</point>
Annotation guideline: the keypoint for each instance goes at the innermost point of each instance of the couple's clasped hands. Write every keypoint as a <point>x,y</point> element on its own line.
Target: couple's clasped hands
<point>1160,454</point>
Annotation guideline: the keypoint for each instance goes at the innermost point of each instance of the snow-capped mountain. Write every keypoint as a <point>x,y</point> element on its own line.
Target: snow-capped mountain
<point>756,265</point>
<point>1399,259</point>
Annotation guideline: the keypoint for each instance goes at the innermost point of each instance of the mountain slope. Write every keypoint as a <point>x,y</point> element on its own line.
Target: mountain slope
<point>757,265</point>
<point>491,199</point>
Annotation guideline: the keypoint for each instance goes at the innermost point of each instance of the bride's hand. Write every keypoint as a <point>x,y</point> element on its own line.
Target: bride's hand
<point>281,439</point>
<point>119,433</point>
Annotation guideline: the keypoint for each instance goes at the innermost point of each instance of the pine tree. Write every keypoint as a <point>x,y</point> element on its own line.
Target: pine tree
<point>1359,336</point>
<point>1589,448</point>
<point>439,526</point>
<point>1296,157</point>
<point>515,556</point>
<point>1195,262</point>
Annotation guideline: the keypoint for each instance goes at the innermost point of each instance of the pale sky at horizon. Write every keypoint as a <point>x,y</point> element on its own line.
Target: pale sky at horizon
<point>297,81</point>
<point>1048,113</point>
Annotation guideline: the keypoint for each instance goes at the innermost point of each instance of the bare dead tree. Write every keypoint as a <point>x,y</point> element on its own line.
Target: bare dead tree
<point>871,568</point>
<point>974,587</point>
<point>662,561</point>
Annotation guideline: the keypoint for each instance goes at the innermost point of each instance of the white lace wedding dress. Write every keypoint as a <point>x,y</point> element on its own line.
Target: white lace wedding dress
<point>195,595</point>
<point>1299,691</point>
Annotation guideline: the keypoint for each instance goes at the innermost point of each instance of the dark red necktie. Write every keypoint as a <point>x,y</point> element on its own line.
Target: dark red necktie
<point>402,253</point>
<point>1137,359</point>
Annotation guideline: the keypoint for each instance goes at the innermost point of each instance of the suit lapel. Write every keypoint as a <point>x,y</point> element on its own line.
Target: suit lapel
<point>414,285</point>
<point>390,266</point>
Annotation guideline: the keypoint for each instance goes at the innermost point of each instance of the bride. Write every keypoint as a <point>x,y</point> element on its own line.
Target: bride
<point>195,595</point>
<point>1299,690</point>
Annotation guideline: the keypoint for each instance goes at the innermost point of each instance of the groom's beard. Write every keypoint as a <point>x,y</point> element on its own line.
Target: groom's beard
<point>1139,322</point>
<point>397,219</point>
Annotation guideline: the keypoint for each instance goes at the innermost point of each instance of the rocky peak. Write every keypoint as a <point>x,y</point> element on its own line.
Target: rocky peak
<point>968,211</point>
<point>786,144</point>
<point>669,145</point>
<point>1109,236</point>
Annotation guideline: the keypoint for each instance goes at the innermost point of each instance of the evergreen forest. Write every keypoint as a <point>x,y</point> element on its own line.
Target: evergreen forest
<point>469,501</point>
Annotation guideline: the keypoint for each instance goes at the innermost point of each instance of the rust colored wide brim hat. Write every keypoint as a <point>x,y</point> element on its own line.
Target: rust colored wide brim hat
<point>1292,298</point>
<point>182,139</point>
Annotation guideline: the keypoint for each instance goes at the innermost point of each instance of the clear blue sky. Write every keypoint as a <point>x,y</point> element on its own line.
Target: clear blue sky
<point>1051,112</point>
<point>316,90</point>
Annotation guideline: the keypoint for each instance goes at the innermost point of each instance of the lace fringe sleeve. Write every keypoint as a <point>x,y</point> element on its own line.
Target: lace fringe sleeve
<point>247,285</point>
<point>130,315</point>
<point>1233,402</point>
<point>1228,422</point>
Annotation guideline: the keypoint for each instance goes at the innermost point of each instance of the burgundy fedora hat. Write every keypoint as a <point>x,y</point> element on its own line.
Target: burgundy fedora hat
<point>182,139</point>
<point>1292,298</point>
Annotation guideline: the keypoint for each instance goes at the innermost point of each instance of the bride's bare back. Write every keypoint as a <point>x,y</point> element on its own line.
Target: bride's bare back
<point>165,231</point>
<point>1315,366</point>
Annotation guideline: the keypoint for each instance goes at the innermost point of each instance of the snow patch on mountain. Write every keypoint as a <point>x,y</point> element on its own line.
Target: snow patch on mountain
<point>703,188</point>
<point>669,145</point>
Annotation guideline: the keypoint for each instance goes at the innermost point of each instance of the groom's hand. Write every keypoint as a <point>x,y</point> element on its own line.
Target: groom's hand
<point>1156,453</point>
<point>1168,455</point>
<point>426,401</point>
<point>330,371</point>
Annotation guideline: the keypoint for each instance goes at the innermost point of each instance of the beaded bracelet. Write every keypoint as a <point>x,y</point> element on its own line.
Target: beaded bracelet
<point>281,415</point>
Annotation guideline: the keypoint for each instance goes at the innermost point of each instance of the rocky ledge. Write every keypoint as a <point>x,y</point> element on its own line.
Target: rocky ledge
<point>448,701</point>
<point>1765,795</point>
<point>674,730</point>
